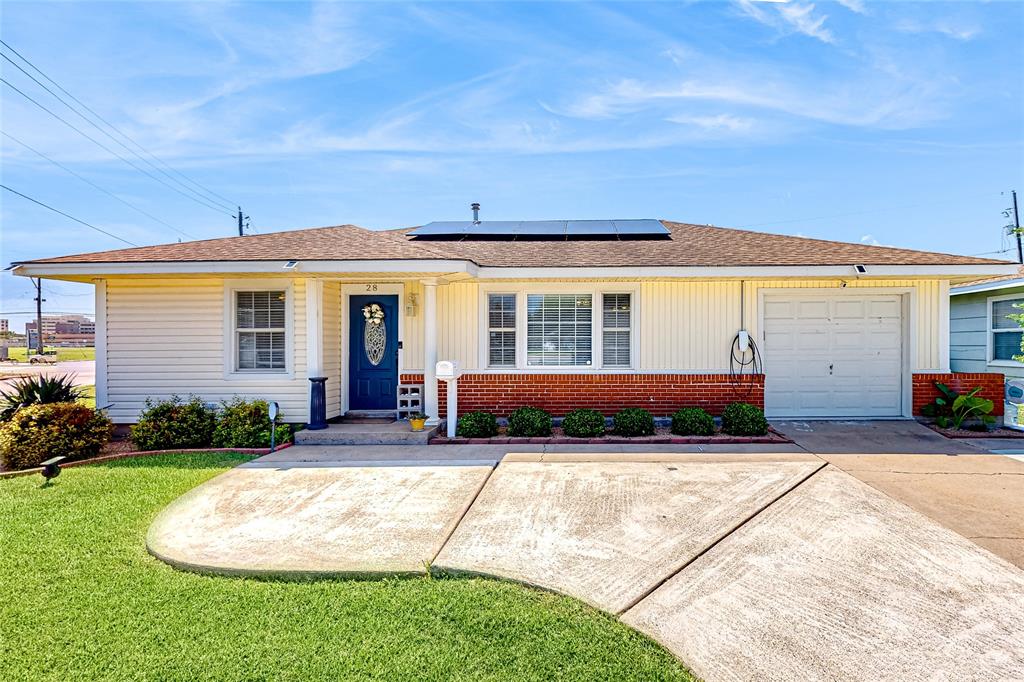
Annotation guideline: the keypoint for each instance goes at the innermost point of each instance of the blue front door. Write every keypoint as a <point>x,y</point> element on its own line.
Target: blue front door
<point>373,352</point>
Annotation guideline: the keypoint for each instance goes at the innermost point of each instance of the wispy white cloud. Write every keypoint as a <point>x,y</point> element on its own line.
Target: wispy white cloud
<point>870,103</point>
<point>789,18</point>
<point>720,122</point>
<point>869,239</point>
<point>857,6</point>
<point>957,29</point>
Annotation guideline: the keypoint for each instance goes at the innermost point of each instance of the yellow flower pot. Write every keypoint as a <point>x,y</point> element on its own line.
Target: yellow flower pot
<point>417,424</point>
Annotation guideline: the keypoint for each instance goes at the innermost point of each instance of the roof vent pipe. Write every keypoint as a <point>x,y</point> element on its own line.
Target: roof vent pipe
<point>476,212</point>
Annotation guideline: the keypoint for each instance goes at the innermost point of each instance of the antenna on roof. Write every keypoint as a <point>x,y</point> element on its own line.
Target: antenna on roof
<point>476,212</point>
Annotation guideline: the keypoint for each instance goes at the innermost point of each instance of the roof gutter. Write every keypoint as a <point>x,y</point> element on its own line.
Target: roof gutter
<point>435,267</point>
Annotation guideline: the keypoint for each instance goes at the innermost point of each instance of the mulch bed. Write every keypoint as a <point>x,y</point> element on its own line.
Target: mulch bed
<point>662,436</point>
<point>122,450</point>
<point>965,433</point>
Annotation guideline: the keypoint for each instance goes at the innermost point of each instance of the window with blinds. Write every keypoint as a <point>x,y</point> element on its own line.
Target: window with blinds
<point>615,336</point>
<point>260,330</point>
<point>1006,333</point>
<point>501,330</point>
<point>559,330</point>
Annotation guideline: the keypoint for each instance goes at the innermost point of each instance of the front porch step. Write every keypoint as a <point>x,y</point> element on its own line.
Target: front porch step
<point>396,433</point>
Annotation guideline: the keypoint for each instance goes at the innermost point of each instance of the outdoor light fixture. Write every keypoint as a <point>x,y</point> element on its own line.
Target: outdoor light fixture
<point>860,269</point>
<point>51,468</point>
<point>290,265</point>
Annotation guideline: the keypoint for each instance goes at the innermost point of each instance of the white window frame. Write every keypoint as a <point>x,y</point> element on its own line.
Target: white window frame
<point>990,332</point>
<point>488,329</point>
<point>231,371</point>
<point>600,310</point>
<point>595,290</point>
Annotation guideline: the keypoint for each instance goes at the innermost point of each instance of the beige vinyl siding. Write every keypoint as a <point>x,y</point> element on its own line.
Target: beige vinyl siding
<point>412,329</point>
<point>332,346</point>
<point>167,336</point>
<point>688,326</point>
<point>458,313</point>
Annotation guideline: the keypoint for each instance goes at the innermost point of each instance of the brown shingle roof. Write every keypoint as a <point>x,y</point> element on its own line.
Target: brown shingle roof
<point>993,280</point>
<point>691,245</point>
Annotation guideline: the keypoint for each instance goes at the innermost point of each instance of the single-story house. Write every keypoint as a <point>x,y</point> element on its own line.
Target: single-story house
<point>555,314</point>
<point>981,336</point>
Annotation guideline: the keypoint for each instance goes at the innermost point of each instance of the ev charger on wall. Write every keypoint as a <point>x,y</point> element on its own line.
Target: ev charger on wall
<point>744,340</point>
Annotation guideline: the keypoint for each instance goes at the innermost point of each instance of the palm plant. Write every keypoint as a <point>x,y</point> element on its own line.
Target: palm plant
<point>38,390</point>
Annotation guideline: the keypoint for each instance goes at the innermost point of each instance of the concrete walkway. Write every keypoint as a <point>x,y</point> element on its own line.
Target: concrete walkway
<point>747,566</point>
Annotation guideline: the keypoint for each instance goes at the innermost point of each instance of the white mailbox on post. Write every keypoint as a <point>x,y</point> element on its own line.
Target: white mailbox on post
<point>448,371</point>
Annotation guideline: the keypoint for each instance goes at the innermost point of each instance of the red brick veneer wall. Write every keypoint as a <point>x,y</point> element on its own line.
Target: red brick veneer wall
<point>925,391</point>
<point>661,394</point>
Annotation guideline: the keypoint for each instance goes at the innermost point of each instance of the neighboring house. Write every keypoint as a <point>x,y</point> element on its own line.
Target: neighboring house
<point>554,314</point>
<point>982,337</point>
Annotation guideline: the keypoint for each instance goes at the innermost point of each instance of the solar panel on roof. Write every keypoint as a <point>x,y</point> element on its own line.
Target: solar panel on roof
<point>635,227</point>
<point>583,228</point>
<point>543,229</point>
<point>450,228</point>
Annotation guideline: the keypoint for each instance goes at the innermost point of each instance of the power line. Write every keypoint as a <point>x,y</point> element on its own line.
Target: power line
<point>90,226</point>
<point>78,130</point>
<point>120,132</point>
<point>93,184</point>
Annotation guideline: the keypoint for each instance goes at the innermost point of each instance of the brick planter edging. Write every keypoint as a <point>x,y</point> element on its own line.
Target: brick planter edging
<point>660,394</point>
<point>773,437</point>
<point>924,390</point>
<point>142,453</point>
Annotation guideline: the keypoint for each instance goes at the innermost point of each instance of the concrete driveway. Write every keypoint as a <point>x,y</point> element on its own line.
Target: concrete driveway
<point>746,566</point>
<point>958,483</point>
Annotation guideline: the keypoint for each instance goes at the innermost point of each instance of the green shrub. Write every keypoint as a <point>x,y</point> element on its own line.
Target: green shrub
<point>38,390</point>
<point>692,421</point>
<point>36,433</point>
<point>246,424</point>
<point>174,424</point>
<point>477,425</point>
<point>529,421</point>
<point>633,421</point>
<point>744,419</point>
<point>583,423</point>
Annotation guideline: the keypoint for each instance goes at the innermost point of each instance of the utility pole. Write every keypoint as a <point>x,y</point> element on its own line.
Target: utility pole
<point>39,314</point>
<point>241,217</point>
<point>1016,229</point>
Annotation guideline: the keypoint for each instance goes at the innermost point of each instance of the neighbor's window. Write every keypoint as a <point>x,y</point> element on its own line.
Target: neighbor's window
<point>559,330</point>
<point>615,320</point>
<point>501,330</point>
<point>1006,333</point>
<point>260,330</point>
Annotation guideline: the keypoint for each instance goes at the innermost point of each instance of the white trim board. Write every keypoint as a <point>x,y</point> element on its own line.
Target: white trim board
<point>457,266</point>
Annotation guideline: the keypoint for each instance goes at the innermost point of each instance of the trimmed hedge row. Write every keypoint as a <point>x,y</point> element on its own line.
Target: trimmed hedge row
<point>738,419</point>
<point>176,424</point>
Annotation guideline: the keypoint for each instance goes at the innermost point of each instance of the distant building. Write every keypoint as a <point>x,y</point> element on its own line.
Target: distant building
<point>4,326</point>
<point>64,330</point>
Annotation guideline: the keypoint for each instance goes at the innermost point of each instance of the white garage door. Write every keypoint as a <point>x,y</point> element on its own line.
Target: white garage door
<point>833,355</point>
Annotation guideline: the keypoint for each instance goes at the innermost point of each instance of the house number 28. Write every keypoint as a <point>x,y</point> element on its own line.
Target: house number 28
<point>371,287</point>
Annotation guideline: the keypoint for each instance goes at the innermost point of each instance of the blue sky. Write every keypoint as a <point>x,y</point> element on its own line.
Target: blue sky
<point>896,123</point>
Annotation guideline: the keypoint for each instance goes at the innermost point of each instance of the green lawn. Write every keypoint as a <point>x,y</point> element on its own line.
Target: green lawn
<point>19,353</point>
<point>89,396</point>
<point>83,600</point>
